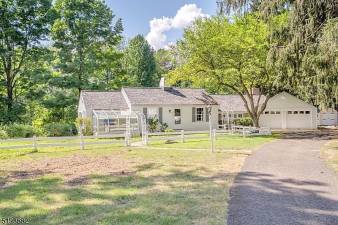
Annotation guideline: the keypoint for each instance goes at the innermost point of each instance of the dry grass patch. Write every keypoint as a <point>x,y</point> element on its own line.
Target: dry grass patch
<point>330,154</point>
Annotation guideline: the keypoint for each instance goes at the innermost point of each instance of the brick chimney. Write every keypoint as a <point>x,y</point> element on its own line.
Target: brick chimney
<point>162,83</point>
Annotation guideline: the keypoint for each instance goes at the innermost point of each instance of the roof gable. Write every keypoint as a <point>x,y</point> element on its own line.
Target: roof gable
<point>168,96</point>
<point>286,100</point>
<point>105,100</point>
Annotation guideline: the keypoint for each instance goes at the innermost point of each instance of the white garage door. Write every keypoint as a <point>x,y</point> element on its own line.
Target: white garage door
<point>328,118</point>
<point>272,119</point>
<point>298,120</point>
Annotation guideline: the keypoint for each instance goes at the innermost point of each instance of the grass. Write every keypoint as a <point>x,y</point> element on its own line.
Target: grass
<point>223,142</point>
<point>330,154</point>
<point>111,184</point>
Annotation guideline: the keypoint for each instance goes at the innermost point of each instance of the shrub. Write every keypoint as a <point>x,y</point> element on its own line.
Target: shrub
<point>163,127</point>
<point>244,121</point>
<point>87,128</point>
<point>19,130</point>
<point>3,134</point>
<point>59,129</point>
<point>153,124</point>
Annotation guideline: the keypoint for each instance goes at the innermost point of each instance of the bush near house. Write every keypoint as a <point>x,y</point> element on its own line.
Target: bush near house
<point>245,121</point>
<point>59,129</point>
<point>155,125</point>
<point>19,130</point>
<point>87,126</point>
<point>3,134</point>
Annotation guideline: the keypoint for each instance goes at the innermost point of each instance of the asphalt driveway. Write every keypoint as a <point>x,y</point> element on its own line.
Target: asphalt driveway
<point>285,183</point>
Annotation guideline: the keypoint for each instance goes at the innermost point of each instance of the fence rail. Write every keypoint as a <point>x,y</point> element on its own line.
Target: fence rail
<point>83,141</point>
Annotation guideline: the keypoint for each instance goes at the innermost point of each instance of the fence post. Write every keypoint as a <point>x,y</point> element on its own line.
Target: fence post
<point>82,144</point>
<point>182,136</point>
<point>35,145</point>
<point>145,141</point>
<point>126,139</point>
<point>213,140</point>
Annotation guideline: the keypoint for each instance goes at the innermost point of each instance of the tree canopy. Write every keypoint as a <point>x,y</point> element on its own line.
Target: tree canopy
<point>228,57</point>
<point>139,63</point>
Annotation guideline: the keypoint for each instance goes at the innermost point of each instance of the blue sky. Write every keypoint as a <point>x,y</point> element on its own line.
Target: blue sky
<point>137,14</point>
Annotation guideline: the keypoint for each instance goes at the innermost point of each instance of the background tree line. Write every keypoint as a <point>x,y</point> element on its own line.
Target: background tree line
<point>51,50</point>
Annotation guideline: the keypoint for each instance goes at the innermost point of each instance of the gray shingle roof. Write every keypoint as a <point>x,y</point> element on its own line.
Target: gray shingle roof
<point>233,102</point>
<point>105,100</point>
<point>168,96</point>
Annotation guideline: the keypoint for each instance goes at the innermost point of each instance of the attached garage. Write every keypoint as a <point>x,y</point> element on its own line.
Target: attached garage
<point>285,111</point>
<point>328,117</point>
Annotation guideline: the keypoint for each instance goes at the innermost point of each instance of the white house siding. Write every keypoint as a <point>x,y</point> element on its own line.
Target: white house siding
<point>168,116</point>
<point>285,111</point>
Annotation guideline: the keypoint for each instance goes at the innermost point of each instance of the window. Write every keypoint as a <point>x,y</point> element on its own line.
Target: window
<point>266,112</point>
<point>301,112</point>
<point>177,116</point>
<point>295,112</point>
<point>272,112</point>
<point>307,112</point>
<point>277,112</point>
<point>289,112</point>
<point>240,115</point>
<point>199,114</point>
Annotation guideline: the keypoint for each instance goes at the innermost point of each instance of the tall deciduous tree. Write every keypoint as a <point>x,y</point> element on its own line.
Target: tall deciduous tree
<point>304,68</point>
<point>139,63</point>
<point>224,56</point>
<point>23,25</point>
<point>83,29</point>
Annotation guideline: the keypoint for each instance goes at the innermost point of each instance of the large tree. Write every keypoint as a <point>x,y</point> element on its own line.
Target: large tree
<point>139,63</point>
<point>298,54</point>
<point>224,56</point>
<point>83,30</point>
<point>23,26</point>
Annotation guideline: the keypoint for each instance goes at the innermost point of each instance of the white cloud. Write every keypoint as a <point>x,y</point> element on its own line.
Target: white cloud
<point>184,17</point>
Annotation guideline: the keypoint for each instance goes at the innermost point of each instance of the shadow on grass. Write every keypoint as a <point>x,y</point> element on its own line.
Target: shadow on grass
<point>260,198</point>
<point>178,197</point>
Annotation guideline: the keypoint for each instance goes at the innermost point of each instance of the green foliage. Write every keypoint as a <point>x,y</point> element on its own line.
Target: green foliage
<point>24,24</point>
<point>244,121</point>
<point>223,56</point>
<point>59,129</point>
<point>304,45</point>
<point>86,124</point>
<point>165,61</point>
<point>3,134</point>
<point>139,63</point>
<point>82,31</point>
<point>153,124</point>
<point>20,130</point>
<point>163,127</point>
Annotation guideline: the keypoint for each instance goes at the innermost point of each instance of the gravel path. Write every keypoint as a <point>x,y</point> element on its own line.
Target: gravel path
<point>285,183</point>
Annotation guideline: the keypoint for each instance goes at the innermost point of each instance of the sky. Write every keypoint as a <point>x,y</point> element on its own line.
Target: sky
<point>160,21</point>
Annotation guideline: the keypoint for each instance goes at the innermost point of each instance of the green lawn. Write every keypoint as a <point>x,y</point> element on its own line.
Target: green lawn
<point>330,154</point>
<point>118,185</point>
<point>223,142</point>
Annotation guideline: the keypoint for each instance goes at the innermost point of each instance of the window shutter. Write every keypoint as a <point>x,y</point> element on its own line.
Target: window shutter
<point>145,112</point>
<point>206,115</point>
<point>160,113</point>
<point>193,114</point>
